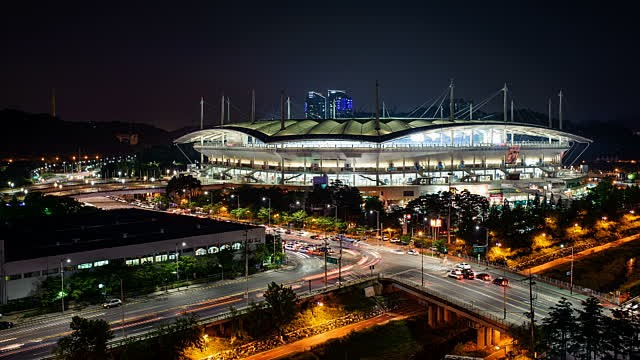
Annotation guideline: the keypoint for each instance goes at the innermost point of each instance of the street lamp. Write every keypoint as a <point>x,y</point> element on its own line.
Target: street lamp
<point>238,198</point>
<point>210,197</point>
<point>221,272</point>
<point>122,304</point>
<point>377,224</point>
<point>177,266</point>
<point>340,241</point>
<point>62,280</point>
<point>570,271</point>
<point>269,200</point>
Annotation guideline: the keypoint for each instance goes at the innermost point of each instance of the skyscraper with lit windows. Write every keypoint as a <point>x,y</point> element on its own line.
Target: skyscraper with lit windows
<point>315,106</point>
<point>339,104</point>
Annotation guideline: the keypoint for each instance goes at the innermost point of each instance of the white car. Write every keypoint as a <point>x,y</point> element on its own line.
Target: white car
<point>395,240</point>
<point>463,266</point>
<point>412,252</point>
<point>112,303</point>
<point>456,274</point>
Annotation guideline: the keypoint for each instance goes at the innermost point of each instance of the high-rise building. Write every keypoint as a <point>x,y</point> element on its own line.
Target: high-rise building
<point>315,107</point>
<point>339,104</point>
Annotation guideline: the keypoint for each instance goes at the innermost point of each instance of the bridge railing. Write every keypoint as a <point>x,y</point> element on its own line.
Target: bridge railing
<point>452,300</point>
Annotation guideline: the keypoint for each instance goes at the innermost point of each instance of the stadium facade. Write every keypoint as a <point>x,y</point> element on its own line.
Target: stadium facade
<point>395,158</point>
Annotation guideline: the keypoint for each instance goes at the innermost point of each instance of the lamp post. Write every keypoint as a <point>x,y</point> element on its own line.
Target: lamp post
<point>221,272</point>
<point>340,242</point>
<point>177,266</point>
<point>121,305</point>
<point>377,224</point>
<point>486,241</point>
<point>238,198</point>
<point>62,261</point>
<point>269,200</point>
<point>246,265</point>
<point>570,270</point>
<point>210,197</point>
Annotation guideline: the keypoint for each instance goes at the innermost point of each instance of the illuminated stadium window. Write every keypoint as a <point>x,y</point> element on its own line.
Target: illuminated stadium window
<point>160,258</point>
<point>224,247</point>
<point>213,250</point>
<point>133,262</point>
<point>146,259</point>
<point>172,256</point>
<point>85,266</point>
<point>201,251</point>
<point>101,263</point>
<point>236,246</point>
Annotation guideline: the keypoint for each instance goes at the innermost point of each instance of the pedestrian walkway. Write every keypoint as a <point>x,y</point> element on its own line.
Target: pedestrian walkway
<point>593,250</point>
<point>308,343</point>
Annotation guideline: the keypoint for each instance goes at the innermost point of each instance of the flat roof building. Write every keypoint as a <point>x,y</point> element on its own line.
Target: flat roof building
<point>30,252</point>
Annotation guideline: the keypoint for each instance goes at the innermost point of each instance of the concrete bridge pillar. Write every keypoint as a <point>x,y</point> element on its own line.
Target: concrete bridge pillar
<point>495,337</point>
<point>431,315</point>
<point>440,315</point>
<point>480,339</point>
<point>488,338</point>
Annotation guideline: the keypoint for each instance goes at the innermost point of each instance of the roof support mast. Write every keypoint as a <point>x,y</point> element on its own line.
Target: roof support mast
<point>504,91</point>
<point>201,128</point>
<point>560,111</point>
<point>451,101</point>
<point>222,110</point>
<point>288,108</point>
<point>550,119</point>
<point>378,133</point>
<point>253,106</point>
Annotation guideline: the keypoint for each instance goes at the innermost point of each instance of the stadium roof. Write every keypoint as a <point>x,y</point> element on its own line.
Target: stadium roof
<point>363,129</point>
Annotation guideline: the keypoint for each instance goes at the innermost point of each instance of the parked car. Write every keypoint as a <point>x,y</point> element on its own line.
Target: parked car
<point>6,325</point>
<point>456,274</point>
<point>468,274</point>
<point>395,240</point>
<point>412,252</point>
<point>112,303</point>
<point>483,276</point>
<point>463,266</point>
<point>502,281</point>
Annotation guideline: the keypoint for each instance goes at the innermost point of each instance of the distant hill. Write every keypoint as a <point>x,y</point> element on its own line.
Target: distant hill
<point>34,135</point>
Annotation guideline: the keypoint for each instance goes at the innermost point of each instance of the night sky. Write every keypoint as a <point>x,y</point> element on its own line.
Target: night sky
<point>150,63</point>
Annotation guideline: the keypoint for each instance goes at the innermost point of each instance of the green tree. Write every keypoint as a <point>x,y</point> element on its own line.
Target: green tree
<point>589,335</point>
<point>183,186</point>
<point>559,328</point>
<point>87,341</point>
<point>283,305</point>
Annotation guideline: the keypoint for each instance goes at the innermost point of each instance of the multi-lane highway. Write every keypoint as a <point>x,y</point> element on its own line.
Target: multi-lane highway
<point>36,339</point>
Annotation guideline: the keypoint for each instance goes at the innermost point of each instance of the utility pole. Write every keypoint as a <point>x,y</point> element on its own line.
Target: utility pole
<point>246,265</point>
<point>325,262</point>
<point>532,324</point>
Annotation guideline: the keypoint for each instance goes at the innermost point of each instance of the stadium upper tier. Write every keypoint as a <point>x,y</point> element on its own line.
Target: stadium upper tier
<point>360,152</point>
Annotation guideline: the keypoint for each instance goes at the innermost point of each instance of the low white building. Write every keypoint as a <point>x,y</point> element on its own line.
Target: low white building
<point>29,252</point>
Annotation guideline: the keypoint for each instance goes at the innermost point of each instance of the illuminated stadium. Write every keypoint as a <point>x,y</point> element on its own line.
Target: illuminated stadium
<point>396,158</point>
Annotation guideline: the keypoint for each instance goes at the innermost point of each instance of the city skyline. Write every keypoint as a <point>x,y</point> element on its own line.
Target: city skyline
<point>151,64</point>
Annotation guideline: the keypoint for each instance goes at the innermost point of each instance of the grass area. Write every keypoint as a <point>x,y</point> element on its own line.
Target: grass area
<point>614,269</point>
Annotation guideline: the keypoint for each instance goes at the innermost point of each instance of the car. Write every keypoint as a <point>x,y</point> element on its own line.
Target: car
<point>112,303</point>
<point>463,266</point>
<point>395,240</point>
<point>398,251</point>
<point>502,281</point>
<point>313,237</point>
<point>6,325</point>
<point>456,274</point>
<point>483,276</point>
<point>412,252</point>
<point>468,274</point>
